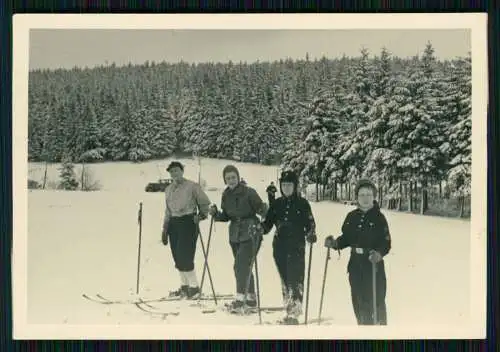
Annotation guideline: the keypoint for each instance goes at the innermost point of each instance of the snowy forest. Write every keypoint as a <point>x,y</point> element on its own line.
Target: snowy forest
<point>404,122</point>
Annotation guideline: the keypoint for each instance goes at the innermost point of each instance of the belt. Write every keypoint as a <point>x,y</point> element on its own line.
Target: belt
<point>182,216</point>
<point>358,250</point>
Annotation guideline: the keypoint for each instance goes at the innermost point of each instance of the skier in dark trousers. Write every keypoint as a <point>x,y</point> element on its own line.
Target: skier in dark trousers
<point>182,200</point>
<point>366,231</point>
<point>294,221</point>
<point>240,204</point>
<point>271,192</point>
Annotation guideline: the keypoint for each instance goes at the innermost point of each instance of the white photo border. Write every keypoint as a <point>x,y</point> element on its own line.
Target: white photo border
<point>476,22</point>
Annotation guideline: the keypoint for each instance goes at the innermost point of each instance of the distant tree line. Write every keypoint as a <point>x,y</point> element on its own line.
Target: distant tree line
<point>406,123</point>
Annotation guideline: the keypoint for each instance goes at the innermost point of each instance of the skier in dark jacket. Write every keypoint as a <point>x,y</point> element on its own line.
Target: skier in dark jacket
<point>366,231</point>
<point>271,192</point>
<point>294,221</point>
<point>240,204</point>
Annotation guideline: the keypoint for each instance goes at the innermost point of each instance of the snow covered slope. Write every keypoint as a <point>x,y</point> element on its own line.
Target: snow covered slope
<point>86,242</point>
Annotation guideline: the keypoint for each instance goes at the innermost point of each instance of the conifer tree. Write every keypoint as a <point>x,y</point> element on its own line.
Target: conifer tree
<point>67,175</point>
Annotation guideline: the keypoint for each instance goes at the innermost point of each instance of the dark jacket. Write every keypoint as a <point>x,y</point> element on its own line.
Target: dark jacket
<point>240,206</point>
<point>366,231</point>
<point>292,217</point>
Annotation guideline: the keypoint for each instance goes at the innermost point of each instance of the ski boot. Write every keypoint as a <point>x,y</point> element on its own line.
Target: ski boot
<point>180,293</point>
<point>236,307</point>
<point>193,293</point>
<point>251,301</point>
<point>290,321</point>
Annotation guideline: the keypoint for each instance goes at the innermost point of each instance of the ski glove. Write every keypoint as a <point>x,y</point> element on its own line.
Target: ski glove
<point>257,230</point>
<point>330,242</point>
<point>375,256</point>
<point>264,231</point>
<point>311,238</point>
<point>164,237</point>
<point>212,210</point>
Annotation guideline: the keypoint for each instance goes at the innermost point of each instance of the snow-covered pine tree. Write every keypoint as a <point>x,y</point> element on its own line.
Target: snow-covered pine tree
<point>434,77</point>
<point>162,129</point>
<point>37,118</point>
<point>58,130</point>
<point>88,143</point>
<point>381,160</point>
<point>191,130</point>
<point>140,135</point>
<point>274,127</point>
<point>74,116</point>
<point>414,131</point>
<point>459,91</point>
<point>356,106</point>
<point>228,128</point>
<point>112,135</point>
<point>342,127</point>
<point>335,131</point>
<point>251,129</point>
<point>67,175</point>
<point>382,74</point>
<point>266,113</point>
<point>294,147</point>
<point>175,113</point>
<point>316,140</point>
<point>120,128</point>
<point>209,131</point>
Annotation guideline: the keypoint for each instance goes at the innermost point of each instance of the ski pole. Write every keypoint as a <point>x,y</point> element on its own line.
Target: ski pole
<point>255,246</point>
<point>374,292</point>
<point>308,281</point>
<point>139,220</point>
<point>323,287</point>
<point>257,286</point>
<point>206,264</point>
<point>208,251</point>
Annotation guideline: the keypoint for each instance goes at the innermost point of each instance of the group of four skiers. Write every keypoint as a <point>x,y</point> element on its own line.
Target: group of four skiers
<point>365,230</point>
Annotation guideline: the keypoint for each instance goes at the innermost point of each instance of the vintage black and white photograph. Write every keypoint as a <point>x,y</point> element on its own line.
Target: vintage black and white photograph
<point>250,176</point>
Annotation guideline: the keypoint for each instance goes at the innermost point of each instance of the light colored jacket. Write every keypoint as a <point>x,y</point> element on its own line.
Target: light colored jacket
<point>185,198</point>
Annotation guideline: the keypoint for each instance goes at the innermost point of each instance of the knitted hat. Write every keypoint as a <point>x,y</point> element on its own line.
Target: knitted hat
<point>230,168</point>
<point>289,176</point>
<point>362,183</point>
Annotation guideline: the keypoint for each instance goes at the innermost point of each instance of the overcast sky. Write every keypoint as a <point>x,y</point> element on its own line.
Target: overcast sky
<point>66,48</point>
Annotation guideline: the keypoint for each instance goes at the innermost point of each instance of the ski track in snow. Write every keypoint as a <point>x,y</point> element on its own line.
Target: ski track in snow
<point>86,242</point>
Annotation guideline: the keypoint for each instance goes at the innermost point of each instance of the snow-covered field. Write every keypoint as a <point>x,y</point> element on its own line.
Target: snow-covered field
<point>86,242</point>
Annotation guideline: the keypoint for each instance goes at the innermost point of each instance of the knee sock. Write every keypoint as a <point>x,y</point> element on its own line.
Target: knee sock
<point>191,278</point>
<point>184,278</point>
<point>251,297</point>
<point>240,296</point>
